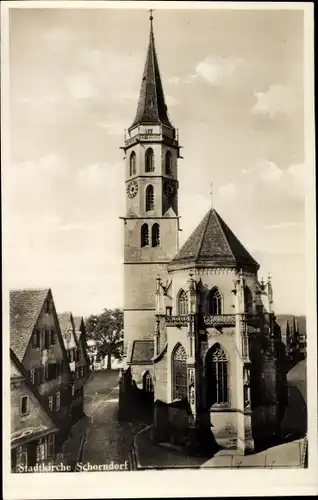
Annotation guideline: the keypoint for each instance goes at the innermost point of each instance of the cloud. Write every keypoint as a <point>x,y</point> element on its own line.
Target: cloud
<point>114,126</point>
<point>267,170</point>
<point>276,100</point>
<point>171,101</point>
<point>215,70</point>
<point>174,80</point>
<point>285,225</point>
<point>228,191</point>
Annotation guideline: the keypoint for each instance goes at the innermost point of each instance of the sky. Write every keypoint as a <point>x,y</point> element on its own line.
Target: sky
<point>233,82</point>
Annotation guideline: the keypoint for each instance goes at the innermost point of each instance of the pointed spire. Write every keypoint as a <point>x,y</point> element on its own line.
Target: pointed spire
<point>151,108</point>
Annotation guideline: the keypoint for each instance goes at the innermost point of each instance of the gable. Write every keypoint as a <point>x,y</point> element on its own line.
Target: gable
<point>25,308</point>
<point>38,419</point>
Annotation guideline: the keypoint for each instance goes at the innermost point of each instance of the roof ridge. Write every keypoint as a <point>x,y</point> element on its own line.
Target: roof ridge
<point>222,231</point>
<point>203,234</point>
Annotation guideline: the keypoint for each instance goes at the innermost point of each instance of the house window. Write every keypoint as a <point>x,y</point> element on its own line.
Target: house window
<point>150,199</point>
<point>215,301</point>
<point>149,160</point>
<point>21,456</point>
<point>155,235</point>
<point>50,445</point>
<point>144,235</point>
<point>58,401</point>
<point>47,338</point>
<point>147,382</point>
<point>50,402</point>
<point>41,451</point>
<point>73,390</point>
<point>168,163</point>
<point>217,375</point>
<point>47,306</point>
<point>149,131</point>
<point>183,303</point>
<point>45,372</point>
<point>52,337</point>
<point>248,300</point>
<point>82,372</point>
<point>32,375</point>
<point>132,163</point>
<point>168,311</point>
<point>179,371</point>
<point>24,406</point>
<point>36,339</point>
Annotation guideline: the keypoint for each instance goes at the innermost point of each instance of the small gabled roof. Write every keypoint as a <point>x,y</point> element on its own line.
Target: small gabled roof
<point>213,244</point>
<point>20,371</point>
<point>25,308</point>
<point>151,105</point>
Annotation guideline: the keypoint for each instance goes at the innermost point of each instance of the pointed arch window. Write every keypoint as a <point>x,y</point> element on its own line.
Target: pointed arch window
<point>179,372</point>
<point>147,382</point>
<point>183,303</point>
<point>217,376</point>
<point>149,160</point>
<point>132,163</point>
<point>150,198</point>
<point>168,163</point>
<point>215,301</point>
<point>248,300</point>
<point>155,235</point>
<point>144,235</point>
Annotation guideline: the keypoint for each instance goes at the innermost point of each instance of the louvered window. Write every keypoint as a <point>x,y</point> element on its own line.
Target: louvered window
<point>150,198</point>
<point>149,160</point>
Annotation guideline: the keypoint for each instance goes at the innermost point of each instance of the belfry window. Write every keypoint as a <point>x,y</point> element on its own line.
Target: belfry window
<point>215,301</point>
<point>155,235</point>
<point>179,372</point>
<point>149,160</point>
<point>183,303</point>
<point>248,300</point>
<point>144,235</point>
<point>150,198</point>
<point>132,163</point>
<point>168,163</point>
<point>217,376</point>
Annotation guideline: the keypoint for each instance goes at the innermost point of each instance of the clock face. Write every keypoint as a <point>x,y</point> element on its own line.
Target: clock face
<point>169,189</point>
<point>132,189</point>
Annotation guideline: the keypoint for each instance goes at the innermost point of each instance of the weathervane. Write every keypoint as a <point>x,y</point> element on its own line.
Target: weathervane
<point>211,194</point>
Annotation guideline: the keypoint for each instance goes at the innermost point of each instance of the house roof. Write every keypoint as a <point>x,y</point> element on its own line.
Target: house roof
<point>25,307</point>
<point>64,319</point>
<point>213,244</point>
<point>151,105</point>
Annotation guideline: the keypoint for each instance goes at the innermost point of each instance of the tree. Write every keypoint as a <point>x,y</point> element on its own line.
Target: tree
<point>107,329</point>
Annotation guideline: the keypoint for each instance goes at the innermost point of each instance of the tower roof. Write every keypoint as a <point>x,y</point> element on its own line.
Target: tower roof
<point>151,105</point>
<point>213,244</point>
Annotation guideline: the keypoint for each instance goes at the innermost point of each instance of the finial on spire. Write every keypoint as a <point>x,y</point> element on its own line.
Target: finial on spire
<point>211,195</point>
<point>151,16</point>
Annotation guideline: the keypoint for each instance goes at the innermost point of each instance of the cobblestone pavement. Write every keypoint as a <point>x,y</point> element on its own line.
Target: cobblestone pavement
<point>107,441</point>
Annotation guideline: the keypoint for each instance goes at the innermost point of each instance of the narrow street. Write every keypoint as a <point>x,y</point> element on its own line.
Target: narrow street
<point>107,441</point>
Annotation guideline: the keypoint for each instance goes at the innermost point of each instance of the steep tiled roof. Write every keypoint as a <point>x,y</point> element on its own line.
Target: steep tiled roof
<point>64,319</point>
<point>151,105</point>
<point>142,352</point>
<point>213,243</point>
<point>25,307</point>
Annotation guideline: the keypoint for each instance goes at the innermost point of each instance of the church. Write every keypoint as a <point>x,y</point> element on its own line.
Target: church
<point>200,337</point>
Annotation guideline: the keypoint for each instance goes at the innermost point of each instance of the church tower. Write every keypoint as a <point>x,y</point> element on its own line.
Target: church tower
<point>151,222</point>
